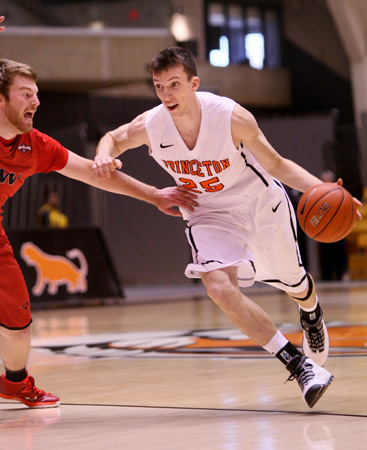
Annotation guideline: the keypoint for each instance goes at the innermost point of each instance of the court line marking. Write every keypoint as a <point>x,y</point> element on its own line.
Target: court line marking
<point>193,408</point>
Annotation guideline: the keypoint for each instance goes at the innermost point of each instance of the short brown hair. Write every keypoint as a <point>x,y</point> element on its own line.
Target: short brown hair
<point>172,57</point>
<point>8,70</point>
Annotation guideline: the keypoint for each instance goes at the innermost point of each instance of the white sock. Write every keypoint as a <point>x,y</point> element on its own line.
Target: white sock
<point>275,344</point>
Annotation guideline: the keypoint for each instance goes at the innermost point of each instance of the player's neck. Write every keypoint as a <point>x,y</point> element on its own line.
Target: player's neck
<point>188,125</point>
<point>191,117</point>
<point>7,130</point>
<point>7,135</point>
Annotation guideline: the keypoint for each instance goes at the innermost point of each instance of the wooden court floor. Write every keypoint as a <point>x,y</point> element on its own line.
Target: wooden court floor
<point>175,374</point>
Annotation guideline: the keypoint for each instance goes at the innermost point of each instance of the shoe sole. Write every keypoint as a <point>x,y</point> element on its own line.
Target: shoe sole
<point>31,404</point>
<point>316,394</point>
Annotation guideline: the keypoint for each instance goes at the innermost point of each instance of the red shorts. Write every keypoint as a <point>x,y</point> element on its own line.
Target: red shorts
<point>15,307</point>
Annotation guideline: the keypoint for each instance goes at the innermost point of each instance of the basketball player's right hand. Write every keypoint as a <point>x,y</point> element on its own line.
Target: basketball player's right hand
<point>104,165</point>
<point>339,182</point>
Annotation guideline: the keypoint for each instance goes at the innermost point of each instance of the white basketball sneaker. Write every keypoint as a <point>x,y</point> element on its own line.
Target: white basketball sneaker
<point>312,379</point>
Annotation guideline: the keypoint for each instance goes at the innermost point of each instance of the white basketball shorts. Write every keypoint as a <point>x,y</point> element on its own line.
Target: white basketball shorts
<point>259,238</point>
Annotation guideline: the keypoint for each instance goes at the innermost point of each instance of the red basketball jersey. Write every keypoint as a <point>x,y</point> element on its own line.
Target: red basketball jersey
<point>25,155</point>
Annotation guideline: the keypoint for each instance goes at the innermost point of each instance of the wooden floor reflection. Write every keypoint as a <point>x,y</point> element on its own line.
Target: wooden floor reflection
<point>161,375</point>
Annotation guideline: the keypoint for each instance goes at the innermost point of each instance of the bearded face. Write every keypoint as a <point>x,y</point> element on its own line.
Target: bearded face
<point>19,109</point>
<point>19,119</point>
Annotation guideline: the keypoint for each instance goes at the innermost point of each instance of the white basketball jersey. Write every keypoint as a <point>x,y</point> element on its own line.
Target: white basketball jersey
<point>222,176</point>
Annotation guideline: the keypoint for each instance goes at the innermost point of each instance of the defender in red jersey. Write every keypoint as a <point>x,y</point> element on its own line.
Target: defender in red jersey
<point>23,152</point>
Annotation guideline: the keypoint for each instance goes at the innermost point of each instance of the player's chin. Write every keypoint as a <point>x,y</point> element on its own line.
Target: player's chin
<point>25,128</point>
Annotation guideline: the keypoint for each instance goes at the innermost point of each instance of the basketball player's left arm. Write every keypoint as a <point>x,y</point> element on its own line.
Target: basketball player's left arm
<point>165,199</point>
<point>246,130</point>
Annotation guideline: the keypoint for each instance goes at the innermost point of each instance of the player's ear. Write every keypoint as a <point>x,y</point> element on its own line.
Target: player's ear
<point>195,83</point>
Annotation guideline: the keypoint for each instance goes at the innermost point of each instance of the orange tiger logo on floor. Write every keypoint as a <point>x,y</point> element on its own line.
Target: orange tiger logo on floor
<point>55,271</point>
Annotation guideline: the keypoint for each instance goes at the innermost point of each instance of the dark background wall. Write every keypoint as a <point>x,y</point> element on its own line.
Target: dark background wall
<point>316,130</point>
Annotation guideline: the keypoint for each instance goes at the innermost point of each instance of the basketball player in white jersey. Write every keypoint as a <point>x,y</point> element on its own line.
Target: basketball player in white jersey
<point>244,229</point>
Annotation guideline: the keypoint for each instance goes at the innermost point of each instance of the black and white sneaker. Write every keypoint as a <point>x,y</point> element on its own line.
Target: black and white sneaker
<point>312,379</point>
<point>315,341</point>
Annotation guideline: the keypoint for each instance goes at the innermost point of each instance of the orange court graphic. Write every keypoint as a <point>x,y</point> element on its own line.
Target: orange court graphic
<point>346,340</point>
<point>56,271</point>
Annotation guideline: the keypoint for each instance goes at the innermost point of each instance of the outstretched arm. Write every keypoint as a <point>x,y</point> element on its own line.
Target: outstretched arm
<point>165,199</point>
<point>246,130</point>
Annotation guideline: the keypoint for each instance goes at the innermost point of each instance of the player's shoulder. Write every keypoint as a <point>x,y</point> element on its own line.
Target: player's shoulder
<point>243,124</point>
<point>40,137</point>
<point>136,129</point>
<point>155,116</point>
<point>137,125</point>
<point>243,116</point>
<point>210,100</point>
<point>38,134</point>
<point>156,110</point>
<point>140,120</point>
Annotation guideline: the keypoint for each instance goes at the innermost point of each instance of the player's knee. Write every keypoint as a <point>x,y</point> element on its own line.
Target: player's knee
<point>221,292</point>
<point>307,293</point>
<point>15,335</point>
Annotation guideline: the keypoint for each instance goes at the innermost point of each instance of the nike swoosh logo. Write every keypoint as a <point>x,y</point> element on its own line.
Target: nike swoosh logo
<point>274,209</point>
<point>166,146</point>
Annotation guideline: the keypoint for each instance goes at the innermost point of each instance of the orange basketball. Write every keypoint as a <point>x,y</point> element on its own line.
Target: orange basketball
<point>326,212</point>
